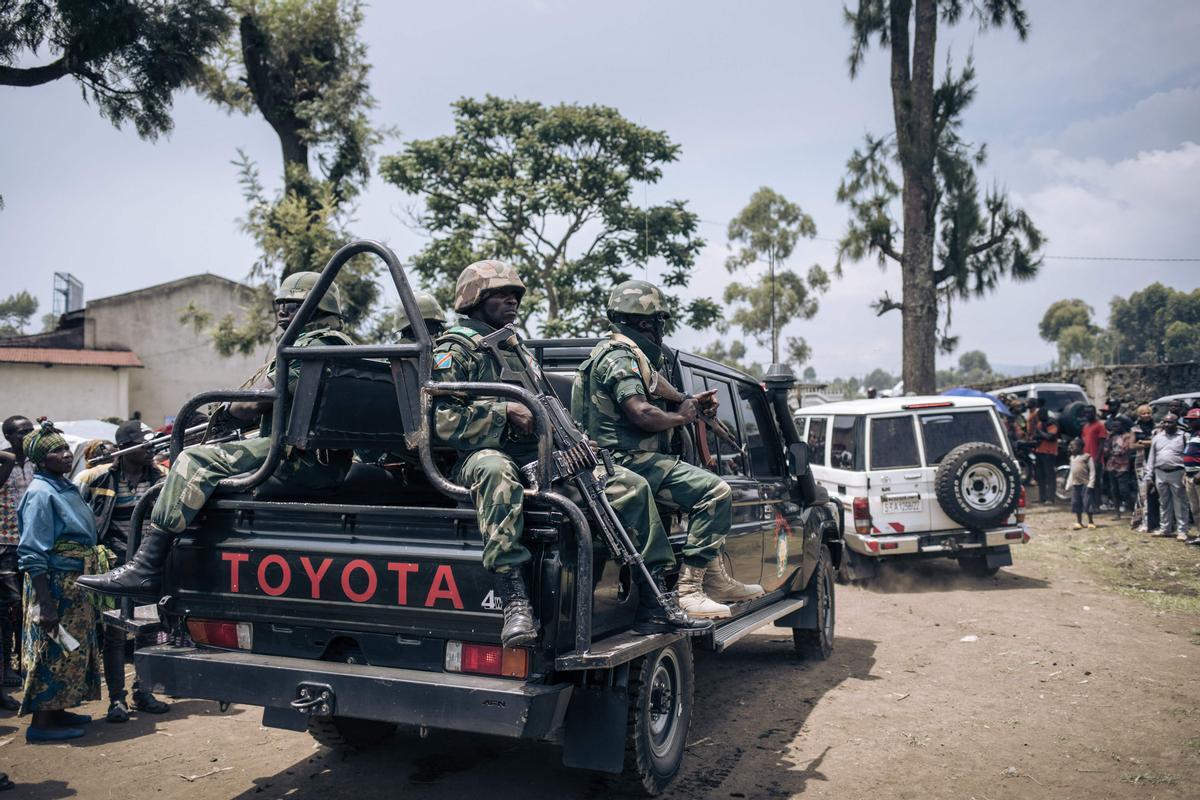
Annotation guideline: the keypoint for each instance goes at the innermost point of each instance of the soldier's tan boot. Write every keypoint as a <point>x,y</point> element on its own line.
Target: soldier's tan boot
<point>720,586</point>
<point>692,598</point>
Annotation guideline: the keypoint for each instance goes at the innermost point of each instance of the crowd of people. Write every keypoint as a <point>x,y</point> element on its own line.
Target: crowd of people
<point>1117,463</point>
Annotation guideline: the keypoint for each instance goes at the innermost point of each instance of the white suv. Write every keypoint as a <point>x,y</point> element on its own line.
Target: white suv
<point>918,477</point>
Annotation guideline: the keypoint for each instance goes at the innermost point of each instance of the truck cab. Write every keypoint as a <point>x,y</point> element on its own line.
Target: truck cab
<point>355,612</point>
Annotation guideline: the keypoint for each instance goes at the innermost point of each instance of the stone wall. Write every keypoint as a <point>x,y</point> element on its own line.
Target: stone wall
<point>1134,383</point>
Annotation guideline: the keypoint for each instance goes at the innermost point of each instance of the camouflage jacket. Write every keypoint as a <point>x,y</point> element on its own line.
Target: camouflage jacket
<point>469,424</point>
<point>322,331</point>
<point>614,372</point>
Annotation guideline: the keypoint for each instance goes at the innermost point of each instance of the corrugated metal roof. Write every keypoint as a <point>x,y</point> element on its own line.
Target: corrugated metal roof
<point>80,358</point>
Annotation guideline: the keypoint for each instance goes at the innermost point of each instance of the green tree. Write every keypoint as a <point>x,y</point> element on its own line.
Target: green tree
<point>128,56</point>
<point>733,355</point>
<point>810,374</point>
<point>973,367</point>
<point>1155,324</point>
<point>879,379</point>
<point>767,230</point>
<point>926,167</point>
<point>1064,314</point>
<point>15,312</point>
<point>549,189</point>
<point>300,65</point>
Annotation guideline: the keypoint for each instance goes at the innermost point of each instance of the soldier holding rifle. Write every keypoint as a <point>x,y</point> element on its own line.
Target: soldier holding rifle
<point>494,437</point>
<point>622,395</point>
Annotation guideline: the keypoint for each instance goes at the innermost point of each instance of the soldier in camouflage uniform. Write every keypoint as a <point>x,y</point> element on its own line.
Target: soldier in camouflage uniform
<point>431,312</point>
<point>197,471</point>
<point>494,437</point>
<point>611,396</point>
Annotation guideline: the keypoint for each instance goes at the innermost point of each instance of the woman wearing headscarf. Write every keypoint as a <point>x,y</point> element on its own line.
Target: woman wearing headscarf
<point>57,544</point>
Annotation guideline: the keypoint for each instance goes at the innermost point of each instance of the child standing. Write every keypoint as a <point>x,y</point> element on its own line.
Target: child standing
<point>1081,483</point>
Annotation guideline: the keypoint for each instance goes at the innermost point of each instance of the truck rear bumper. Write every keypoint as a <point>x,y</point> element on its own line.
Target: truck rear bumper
<point>947,543</point>
<point>497,706</point>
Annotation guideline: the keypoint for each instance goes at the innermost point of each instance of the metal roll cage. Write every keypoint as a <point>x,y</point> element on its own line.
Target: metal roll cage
<point>421,439</point>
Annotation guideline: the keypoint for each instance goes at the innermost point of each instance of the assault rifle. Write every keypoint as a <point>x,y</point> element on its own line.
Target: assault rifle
<point>163,442</point>
<point>575,460</point>
<point>662,389</point>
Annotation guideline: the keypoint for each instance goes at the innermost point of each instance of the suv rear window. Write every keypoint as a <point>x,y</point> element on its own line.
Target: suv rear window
<point>1058,399</point>
<point>944,432</point>
<point>893,443</point>
<point>816,440</point>
<point>845,442</point>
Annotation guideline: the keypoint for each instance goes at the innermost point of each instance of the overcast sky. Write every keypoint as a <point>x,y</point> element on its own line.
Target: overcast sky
<point>1093,125</point>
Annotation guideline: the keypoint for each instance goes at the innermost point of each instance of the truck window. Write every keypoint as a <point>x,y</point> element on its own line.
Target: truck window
<point>728,461</point>
<point>759,430</point>
<point>845,442</point>
<point>1058,399</point>
<point>944,432</point>
<point>816,440</point>
<point>893,443</point>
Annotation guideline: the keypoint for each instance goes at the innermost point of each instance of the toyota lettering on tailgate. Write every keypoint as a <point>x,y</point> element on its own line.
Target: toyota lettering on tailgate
<point>404,583</point>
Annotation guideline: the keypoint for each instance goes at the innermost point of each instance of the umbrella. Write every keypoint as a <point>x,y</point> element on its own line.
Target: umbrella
<point>963,391</point>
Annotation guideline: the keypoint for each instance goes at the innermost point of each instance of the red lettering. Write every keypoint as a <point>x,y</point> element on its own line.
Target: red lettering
<point>274,591</point>
<point>314,578</point>
<point>443,576</point>
<point>402,570</point>
<point>372,580</point>
<point>235,561</point>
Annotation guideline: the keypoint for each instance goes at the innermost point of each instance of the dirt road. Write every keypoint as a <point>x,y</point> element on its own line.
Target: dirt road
<point>1040,683</point>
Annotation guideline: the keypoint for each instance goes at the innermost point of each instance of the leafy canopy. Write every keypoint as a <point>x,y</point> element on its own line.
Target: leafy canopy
<point>128,56</point>
<point>549,189</point>
<point>15,312</point>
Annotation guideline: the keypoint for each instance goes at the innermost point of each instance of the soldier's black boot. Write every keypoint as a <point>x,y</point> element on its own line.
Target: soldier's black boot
<point>142,576</point>
<point>666,616</point>
<point>519,627</point>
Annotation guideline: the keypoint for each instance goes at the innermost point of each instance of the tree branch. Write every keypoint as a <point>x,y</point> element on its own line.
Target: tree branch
<point>886,304</point>
<point>35,76</point>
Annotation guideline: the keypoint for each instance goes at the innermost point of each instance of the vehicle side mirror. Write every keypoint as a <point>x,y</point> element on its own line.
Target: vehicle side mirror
<point>798,459</point>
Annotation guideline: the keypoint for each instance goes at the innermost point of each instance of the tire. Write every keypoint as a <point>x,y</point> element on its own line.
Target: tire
<point>349,733</point>
<point>1070,419</point>
<point>977,567</point>
<point>661,689</point>
<point>817,645</point>
<point>977,485</point>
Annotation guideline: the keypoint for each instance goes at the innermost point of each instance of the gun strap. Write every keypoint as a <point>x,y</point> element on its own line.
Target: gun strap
<point>640,358</point>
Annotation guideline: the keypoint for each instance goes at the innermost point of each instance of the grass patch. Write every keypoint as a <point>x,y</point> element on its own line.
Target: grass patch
<point>1148,779</point>
<point>1194,743</point>
<point>1162,573</point>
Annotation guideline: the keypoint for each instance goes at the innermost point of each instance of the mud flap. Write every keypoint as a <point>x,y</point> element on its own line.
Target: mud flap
<point>284,718</point>
<point>858,568</point>
<point>595,729</point>
<point>998,557</point>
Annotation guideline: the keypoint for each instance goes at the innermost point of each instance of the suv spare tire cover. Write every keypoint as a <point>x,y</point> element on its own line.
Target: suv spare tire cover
<point>977,485</point>
<point>1070,419</point>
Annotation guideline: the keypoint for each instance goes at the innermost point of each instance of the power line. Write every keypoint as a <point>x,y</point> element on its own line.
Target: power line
<point>1121,258</point>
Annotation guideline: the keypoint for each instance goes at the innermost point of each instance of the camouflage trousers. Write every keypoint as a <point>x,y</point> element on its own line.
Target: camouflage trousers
<point>195,474</point>
<point>706,498</point>
<point>499,496</point>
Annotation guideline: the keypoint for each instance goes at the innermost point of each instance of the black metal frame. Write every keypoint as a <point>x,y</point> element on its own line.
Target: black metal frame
<point>420,439</point>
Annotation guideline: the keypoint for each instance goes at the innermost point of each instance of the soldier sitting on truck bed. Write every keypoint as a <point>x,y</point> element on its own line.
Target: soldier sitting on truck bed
<point>197,471</point>
<point>612,396</point>
<point>494,436</point>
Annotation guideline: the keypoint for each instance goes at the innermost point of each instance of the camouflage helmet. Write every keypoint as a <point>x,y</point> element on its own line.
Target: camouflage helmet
<point>297,286</point>
<point>482,277</point>
<point>430,310</point>
<point>637,297</point>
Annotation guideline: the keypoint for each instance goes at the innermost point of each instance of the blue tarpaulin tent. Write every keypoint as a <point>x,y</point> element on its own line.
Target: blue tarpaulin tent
<point>963,391</point>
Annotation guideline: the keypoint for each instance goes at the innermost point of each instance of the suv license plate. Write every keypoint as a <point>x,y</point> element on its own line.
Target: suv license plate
<point>902,506</point>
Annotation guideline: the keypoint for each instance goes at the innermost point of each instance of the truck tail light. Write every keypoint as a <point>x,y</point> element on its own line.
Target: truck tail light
<point>862,515</point>
<point>1020,513</point>
<point>232,635</point>
<point>487,659</point>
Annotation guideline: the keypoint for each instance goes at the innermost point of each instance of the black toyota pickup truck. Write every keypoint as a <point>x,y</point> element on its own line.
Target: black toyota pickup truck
<point>357,611</point>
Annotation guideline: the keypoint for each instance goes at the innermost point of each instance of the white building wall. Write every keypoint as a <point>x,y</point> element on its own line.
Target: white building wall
<point>179,361</point>
<point>64,392</point>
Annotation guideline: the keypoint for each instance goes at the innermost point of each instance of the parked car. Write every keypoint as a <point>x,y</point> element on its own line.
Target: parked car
<point>1160,405</point>
<point>918,477</point>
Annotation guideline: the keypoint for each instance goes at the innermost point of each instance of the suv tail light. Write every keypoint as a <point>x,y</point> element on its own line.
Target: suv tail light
<point>487,659</point>
<point>1020,513</point>
<point>217,633</point>
<point>862,515</point>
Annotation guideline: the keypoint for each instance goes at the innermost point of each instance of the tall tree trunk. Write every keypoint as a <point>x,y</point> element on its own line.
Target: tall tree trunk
<point>912,106</point>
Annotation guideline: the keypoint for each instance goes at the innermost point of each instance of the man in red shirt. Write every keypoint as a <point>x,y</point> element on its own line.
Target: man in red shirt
<point>1093,434</point>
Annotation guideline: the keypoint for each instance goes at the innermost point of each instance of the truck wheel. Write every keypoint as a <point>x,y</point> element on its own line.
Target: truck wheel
<point>660,712</point>
<point>349,733</point>
<point>817,645</point>
<point>977,485</point>
<point>977,567</point>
